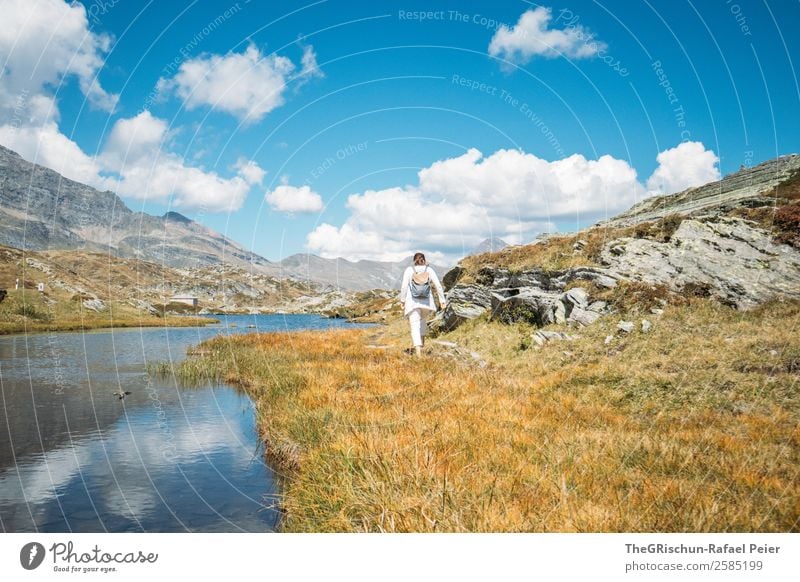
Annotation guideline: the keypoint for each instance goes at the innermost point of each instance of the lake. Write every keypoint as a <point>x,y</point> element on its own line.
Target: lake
<point>76,458</point>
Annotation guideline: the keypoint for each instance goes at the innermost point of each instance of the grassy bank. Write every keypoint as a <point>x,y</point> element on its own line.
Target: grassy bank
<point>694,426</point>
<point>31,311</point>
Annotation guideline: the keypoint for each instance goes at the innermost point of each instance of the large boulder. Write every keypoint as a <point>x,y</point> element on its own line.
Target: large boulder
<point>464,302</point>
<point>528,305</point>
<point>452,277</point>
<point>735,261</point>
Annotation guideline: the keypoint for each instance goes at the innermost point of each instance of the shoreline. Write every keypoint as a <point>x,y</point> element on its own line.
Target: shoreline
<point>101,326</point>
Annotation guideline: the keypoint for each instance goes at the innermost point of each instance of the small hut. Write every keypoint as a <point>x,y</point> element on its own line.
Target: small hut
<point>185,299</point>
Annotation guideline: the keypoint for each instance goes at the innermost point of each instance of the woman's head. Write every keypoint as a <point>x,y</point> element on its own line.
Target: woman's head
<point>419,259</point>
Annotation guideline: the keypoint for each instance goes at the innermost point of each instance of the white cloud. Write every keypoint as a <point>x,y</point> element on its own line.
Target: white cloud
<point>250,171</point>
<point>460,201</point>
<point>247,85</point>
<point>43,44</point>
<point>684,166</point>
<point>294,199</point>
<point>510,194</point>
<point>135,152</point>
<point>532,36</point>
<point>310,69</point>
<point>134,163</point>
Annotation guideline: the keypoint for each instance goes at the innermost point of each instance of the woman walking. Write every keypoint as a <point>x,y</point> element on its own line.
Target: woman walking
<point>416,298</point>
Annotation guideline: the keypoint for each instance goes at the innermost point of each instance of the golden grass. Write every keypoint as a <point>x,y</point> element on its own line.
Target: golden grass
<point>691,427</point>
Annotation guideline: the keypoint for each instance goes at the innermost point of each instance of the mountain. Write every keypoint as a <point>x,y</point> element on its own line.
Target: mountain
<point>347,275</point>
<point>489,245</point>
<point>42,210</point>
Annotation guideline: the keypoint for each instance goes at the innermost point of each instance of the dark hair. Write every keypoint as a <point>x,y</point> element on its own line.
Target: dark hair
<point>419,259</point>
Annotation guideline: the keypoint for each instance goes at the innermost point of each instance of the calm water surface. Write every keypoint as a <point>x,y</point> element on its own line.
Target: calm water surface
<point>75,458</point>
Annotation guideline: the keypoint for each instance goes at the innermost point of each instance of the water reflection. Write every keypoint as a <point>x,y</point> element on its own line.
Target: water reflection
<point>74,457</point>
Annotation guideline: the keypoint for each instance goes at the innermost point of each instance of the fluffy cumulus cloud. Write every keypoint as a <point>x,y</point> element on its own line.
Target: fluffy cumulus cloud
<point>250,171</point>
<point>45,43</point>
<point>247,85</point>
<point>510,194</point>
<point>293,199</point>
<point>48,42</point>
<point>534,36</point>
<point>685,166</point>
<point>135,153</point>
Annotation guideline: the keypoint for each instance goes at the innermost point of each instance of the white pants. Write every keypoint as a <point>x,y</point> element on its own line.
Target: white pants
<point>417,319</point>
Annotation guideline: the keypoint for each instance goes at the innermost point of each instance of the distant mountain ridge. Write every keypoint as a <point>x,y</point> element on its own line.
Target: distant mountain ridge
<point>354,275</point>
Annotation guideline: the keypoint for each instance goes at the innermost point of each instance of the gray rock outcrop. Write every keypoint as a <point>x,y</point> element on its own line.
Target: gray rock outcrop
<point>533,296</point>
<point>734,261</point>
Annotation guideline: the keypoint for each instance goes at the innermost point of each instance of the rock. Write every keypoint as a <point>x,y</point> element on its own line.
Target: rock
<point>493,277</point>
<point>646,326</point>
<point>464,302</point>
<point>145,306</point>
<point>601,277</point>
<point>598,306</point>
<point>541,337</point>
<point>583,317</point>
<point>452,277</point>
<point>726,257</point>
<point>3,294</point>
<point>528,305</point>
<point>94,304</point>
<point>656,311</point>
<point>625,326</point>
<point>577,297</point>
<point>608,340</point>
<point>579,245</point>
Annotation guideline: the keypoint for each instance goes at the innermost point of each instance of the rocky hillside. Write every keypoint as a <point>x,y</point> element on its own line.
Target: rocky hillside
<point>95,279</point>
<point>736,240</point>
<point>749,187</point>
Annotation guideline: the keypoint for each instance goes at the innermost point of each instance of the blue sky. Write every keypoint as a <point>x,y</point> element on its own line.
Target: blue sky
<point>370,130</point>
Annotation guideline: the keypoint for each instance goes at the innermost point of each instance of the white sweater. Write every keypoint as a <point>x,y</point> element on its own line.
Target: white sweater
<point>410,302</point>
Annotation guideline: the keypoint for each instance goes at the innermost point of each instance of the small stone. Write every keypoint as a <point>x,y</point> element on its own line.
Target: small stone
<point>577,296</point>
<point>646,326</point>
<point>541,337</point>
<point>609,339</point>
<point>773,352</point>
<point>656,311</point>
<point>583,317</point>
<point>598,306</point>
<point>625,326</point>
